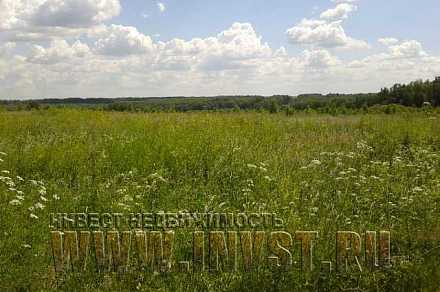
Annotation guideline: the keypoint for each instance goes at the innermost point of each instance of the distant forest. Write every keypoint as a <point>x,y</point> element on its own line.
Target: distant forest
<point>416,94</point>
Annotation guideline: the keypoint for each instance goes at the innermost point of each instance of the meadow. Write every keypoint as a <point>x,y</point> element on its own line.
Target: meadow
<point>318,172</point>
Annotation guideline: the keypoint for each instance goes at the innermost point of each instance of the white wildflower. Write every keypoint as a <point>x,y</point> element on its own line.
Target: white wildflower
<point>26,246</point>
<point>268,178</point>
<point>33,216</point>
<point>20,178</point>
<point>5,172</point>
<point>44,199</point>
<point>56,197</point>
<point>15,202</point>
<point>263,169</point>
<point>21,198</point>
<point>10,183</point>
<point>39,206</point>
<point>417,190</point>
<point>316,162</point>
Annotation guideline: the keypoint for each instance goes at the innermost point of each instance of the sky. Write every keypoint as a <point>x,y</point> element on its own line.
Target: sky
<point>120,48</point>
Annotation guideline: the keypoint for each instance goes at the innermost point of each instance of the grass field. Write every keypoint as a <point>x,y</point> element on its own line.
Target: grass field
<point>317,172</point>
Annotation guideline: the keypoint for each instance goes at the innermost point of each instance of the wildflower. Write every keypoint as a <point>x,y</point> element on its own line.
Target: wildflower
<point>3,154</point>
<point>20,178</point>
<point>43,198</point>
<point>15,202</point>
<point>33,216</point>
<point>158,176</point>
<point>12,189</point>
<point>128,198</point>
<point>316,162</point>
<point>26,246</point>
<point>31,209</point>
<point>39,206</point>
<point>42,191</point>
<point>33,182</point>
<point>20,193</point>
<point>417,190</point>
<point>10,183</point>
<point>56,197</point>
<point>268,178</point>
<point>5,172</point>
<point>263,169</point>
<point>21,198</point>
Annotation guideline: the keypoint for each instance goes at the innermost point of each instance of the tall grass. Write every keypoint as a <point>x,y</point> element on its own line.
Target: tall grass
<point>318,172</point>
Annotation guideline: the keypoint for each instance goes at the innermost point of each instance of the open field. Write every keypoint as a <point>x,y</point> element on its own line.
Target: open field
<point>317,172</point>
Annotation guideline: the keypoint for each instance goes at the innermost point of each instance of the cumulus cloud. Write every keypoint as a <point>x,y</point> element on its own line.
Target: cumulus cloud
<point>74,13</point>
<point>341,11</point>
<point>319,58</point>
<point>33,14</point>
<point>229,49</point>
<point>323,34</point>
<point>62,57</point>
<point>118,40</point>
<point>58,51</point>
<point>407,49</point>
<point>327,32</point>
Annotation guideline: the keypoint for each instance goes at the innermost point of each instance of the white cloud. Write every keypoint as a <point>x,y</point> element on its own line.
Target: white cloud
<point>322,34</point>
<point>319,59</point>
<point>327,32</point>
<point>161,7</point>
<point>408,49</point>
<point>74,13</point>
<point>118,40</point>
<point>230,49</point>
<point>21,14</point>
<point>388,41</point>
<point>58,51</point>
<point>115,60</point>
<point>341,11</point>
<point>7,48</point>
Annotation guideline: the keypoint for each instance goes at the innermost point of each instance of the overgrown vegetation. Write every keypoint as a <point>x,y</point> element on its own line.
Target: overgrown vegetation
<point>318,172</point>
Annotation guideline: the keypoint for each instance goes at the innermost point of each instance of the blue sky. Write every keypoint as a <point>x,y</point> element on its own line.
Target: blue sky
<point>109,48</point>
<point>406,19</point>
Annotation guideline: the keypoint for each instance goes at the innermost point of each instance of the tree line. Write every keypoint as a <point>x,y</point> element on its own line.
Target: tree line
<point>415,94</point>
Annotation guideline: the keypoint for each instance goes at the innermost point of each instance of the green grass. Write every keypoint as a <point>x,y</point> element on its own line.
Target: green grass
<point>375,172</point>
